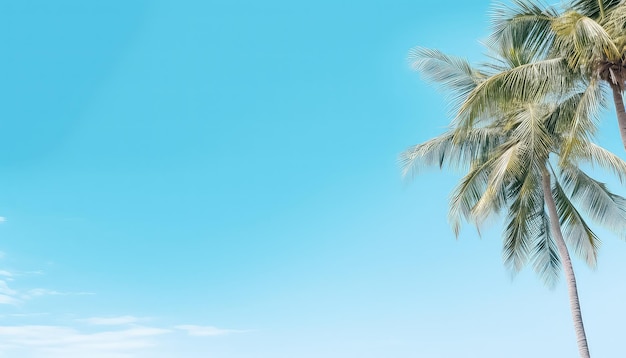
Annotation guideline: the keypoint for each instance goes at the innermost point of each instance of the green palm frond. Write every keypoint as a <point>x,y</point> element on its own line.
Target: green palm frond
<point>527,83</point>
<point>454,74</point>
<point>595,155</point>
<point>473,186</point>
<point>466,194</point>
<point>517,237</point>
<point>450,149</point>
<point>545,256</point>
<point>602,206</point>
<point>595,9</point>
<point>530,131</point>
<point>583,40</point>
<point>505,167</point>
<point>578,117</point>
<point>527,24</point>
<point>615,22</point>
<point>523,224</point>
<point>433,152</point>
<point>578,235</point>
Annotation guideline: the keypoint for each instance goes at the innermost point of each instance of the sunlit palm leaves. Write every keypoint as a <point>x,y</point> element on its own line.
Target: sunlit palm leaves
<point>590,35</point>
<point>531,111</point>
<point>505,152</point>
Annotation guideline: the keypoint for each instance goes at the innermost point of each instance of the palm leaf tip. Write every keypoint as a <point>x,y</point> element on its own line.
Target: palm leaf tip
<point>545,256</point>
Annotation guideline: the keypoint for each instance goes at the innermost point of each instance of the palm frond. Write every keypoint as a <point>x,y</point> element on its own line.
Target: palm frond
<point>582,40</point>
<point>433,152</point>
<point>578,117</point>
<point>530,131</point>
<point>615,22</point>
<point>527,83</point>
<point>544,253</point>
<point>602,206</point>
<point>578,235</point>
<point>505,167</point>
<point>524,222</point>
<point>595,9</point>
<point>526,24</point>
<point>596,155</point>
<point>451,148</point>
<point>454,74</point>
<point>466,194</point>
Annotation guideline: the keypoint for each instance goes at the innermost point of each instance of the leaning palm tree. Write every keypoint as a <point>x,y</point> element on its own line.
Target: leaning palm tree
<point>516,163</point>
<point>588,35</point>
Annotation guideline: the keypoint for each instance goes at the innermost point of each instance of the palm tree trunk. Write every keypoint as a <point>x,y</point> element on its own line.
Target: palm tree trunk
<point>583,349</point>
<point>621,112</point>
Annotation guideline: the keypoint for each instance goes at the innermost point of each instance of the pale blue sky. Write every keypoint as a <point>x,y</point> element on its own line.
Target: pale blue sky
<point>218,179</point>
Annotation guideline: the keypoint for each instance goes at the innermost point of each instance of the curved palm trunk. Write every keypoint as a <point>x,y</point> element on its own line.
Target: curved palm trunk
<point>621,112</point>
<point>567,266</point>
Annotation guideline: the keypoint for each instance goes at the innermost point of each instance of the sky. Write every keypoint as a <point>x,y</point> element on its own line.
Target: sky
<point>219,179</point>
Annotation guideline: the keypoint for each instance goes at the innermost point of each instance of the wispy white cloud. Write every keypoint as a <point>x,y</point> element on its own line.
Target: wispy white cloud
<point>8,300</point>
<point>62,341</point>
<point>13,296</point>
<point>37,292</point>
<point>123,336</point>
<point>206,331</point>
<point>2,219</point>
<point>33,314</point>
<point>111,321</point>
<point>127,341</point>
<point>5,290</point>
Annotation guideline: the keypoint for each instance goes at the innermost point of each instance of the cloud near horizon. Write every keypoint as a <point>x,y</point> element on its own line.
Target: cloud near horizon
<point>124,336</point>
<point>111,321</point>
<point>125,340</point>
<point>63,341</point>
<point>206,331</point>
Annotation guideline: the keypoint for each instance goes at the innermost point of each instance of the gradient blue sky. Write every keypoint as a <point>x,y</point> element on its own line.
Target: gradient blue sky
<point>218,179</point>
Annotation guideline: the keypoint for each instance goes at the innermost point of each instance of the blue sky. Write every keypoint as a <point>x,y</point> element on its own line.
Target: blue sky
<point>219,179</point>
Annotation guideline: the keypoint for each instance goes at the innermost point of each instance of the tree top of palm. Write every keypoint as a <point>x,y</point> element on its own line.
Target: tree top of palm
<point>589,35</point>
<point>506,144</point>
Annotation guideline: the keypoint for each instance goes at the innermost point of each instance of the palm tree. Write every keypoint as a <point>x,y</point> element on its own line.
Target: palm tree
<point>516,163</point>
<point>588,35</point>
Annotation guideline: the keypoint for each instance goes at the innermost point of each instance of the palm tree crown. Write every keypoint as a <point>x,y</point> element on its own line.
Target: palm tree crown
<point>522,156</point>
<point>588,35</point>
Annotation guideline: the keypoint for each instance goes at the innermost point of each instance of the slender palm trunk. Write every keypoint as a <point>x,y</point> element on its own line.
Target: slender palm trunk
<point>621,112</point>
<point>567,266</point>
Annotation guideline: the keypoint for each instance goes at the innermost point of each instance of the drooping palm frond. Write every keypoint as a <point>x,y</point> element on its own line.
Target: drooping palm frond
<point>454,74</point>
<point>577,117</point>
<point>526,24</point>
<point>529,83</point>
<point>433,152</point>
<point>578,234</point>
<point>524,221</point>
<point>531,132</point>
<point>595,9</point>
<point>615,22</point>
<point>602,206</point>
<point>582,40</point>
<point>449,149</point>
<point>522,226</point>
<point>545,255</point>
<point>505,167</point>
<point>466,194</point>
<point>487,178</point>
<point>589,152</point>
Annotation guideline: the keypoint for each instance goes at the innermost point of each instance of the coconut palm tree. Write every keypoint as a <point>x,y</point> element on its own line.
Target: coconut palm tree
<point>588,35</point>
<point>516,163</point>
